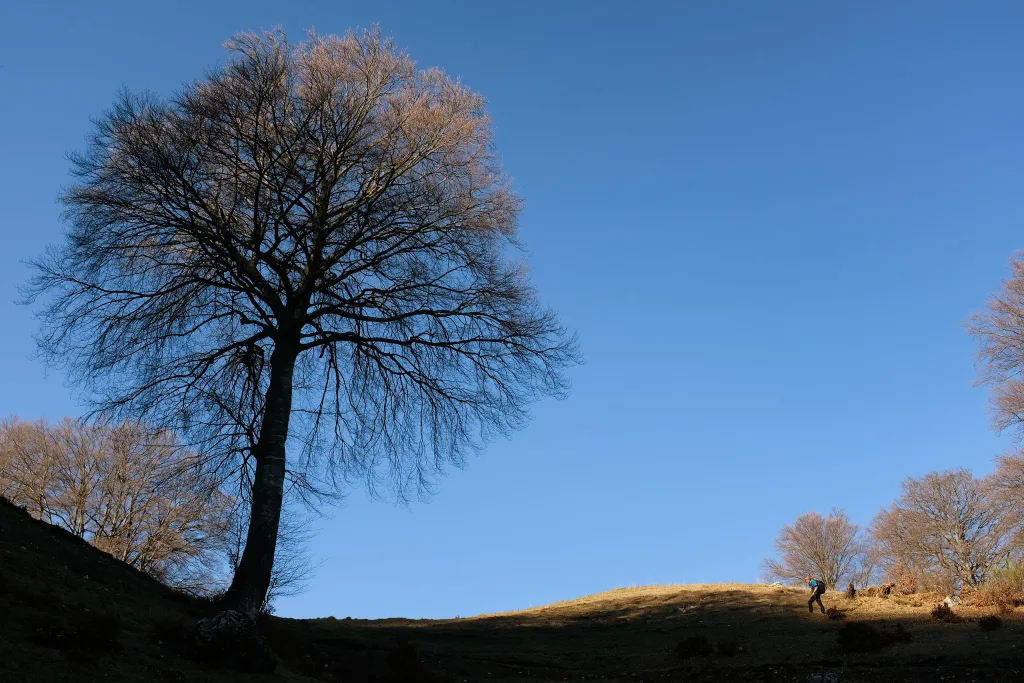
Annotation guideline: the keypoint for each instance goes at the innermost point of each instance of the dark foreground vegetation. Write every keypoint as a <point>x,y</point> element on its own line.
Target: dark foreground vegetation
<point>73,613</point>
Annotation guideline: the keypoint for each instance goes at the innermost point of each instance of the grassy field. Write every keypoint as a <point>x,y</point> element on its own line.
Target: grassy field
<point>70,613</point>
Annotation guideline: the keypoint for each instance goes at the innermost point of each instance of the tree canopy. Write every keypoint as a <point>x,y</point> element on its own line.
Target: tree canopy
<point>312,245</point>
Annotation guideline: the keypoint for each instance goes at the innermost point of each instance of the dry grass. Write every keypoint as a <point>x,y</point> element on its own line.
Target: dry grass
<point>719,632</point>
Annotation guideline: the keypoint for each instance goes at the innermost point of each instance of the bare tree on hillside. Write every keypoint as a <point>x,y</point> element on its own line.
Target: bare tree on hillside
<point>126,489</point>
<point>309,246</point>
<point>827,548</point>
<point>949,522</point>
<point>27,466</point>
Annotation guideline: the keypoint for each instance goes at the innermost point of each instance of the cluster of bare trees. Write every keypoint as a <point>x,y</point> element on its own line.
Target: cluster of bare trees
<point>946,530</point>
<point>137,494</point>
<point>126,489</point>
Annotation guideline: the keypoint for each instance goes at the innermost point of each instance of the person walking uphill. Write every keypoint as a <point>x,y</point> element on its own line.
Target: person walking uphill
<point>817,588</point>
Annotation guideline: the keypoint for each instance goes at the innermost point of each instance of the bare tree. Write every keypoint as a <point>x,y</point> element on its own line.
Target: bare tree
<point>27,467</point>
<point>999,331</point>
<point>128,490</point>
<point>949,522</point>
<point>827,548</point>
<point>310,246</point>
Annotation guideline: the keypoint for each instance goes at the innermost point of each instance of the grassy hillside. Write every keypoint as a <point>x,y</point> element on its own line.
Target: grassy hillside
<point>71,613</point>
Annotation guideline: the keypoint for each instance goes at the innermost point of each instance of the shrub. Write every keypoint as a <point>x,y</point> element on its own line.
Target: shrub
<point>835,614</point>
<point>944,612</point>
<point>851,591</point>
<point>693,646</point>
<point>871,591</point>
<point>403,662</point>
<point>1004,589</point>
<point>89,634</point>
<point>990,623</point>
<point>859,636</point>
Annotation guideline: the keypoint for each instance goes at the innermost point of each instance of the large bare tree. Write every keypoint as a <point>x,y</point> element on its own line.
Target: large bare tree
<point>826,548</point>
<point>952,523</point>
<point>310,246</point>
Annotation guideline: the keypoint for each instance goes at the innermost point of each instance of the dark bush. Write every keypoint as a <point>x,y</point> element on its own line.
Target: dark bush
<point>90,634</point>
<point>835,614</point>
<point>727,648</point>
<point>693,646</point>
<point>944,612</point>
<point>172,632</point>
<point>858,636</point>
<point>990,623</point>
<point>851,591</point>
<point>403,663</point>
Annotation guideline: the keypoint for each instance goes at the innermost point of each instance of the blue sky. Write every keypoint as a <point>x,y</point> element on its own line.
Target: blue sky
<point>766,221</point>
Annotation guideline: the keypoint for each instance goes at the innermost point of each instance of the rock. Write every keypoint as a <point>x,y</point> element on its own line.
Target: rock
<point>952,601</point>
<point>230,639</point>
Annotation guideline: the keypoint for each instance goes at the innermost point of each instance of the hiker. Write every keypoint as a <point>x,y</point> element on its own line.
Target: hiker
<point>817,588</point>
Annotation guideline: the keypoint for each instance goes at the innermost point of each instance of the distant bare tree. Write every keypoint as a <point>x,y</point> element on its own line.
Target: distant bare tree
<point>999,331</point>
<point>826,548</point>
<point>126,489</point>
<point>949,522</point>
<point>309,245</point>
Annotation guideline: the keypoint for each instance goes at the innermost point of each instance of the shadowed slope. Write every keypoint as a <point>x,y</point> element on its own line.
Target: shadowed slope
<point>72,613</point>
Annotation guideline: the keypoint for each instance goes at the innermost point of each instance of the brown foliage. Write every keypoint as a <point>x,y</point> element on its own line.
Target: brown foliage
<point>904,579</point>
<point>851,592</point>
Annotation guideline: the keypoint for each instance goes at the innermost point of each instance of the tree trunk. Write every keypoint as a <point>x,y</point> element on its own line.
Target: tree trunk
<point>252,577</point>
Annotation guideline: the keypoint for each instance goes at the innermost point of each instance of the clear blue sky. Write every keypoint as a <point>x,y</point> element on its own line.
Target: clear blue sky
<point>767,222</point>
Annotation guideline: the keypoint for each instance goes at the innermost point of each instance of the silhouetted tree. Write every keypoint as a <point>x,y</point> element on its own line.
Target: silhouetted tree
<point>310,244</point>
<point>826,548</point>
